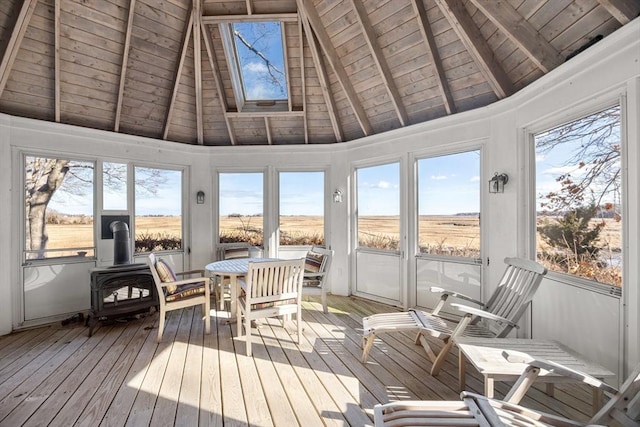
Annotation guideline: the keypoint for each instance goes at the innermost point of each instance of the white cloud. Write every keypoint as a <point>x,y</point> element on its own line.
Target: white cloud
<point>475,179</point>
<point>255,67</point>
<point>438,177</point>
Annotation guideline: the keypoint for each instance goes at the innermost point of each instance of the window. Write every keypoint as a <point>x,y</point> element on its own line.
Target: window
<point>378,215</point>
<point>158,209</point>
<point>301,208</point>
<point>240,204</point>
<point>255,55</point>
<point>58,208</point>
<point>114,186</point>
<point>579,199</point>
<point>449,205</point>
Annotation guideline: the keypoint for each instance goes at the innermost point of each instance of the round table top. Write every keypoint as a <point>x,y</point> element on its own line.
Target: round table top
<point>234,266</point>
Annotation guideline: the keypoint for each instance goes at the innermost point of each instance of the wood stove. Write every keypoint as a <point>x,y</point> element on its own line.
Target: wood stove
<point>120,291</point>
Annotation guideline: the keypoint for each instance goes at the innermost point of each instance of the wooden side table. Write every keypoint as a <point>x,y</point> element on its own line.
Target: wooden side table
<point>485,354</point>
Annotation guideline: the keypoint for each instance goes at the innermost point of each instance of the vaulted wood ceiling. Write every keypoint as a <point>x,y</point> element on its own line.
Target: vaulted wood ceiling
<point>157,68</point>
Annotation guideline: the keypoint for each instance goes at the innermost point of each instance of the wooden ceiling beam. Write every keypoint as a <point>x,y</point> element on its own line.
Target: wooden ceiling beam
<point>197,66</point>
<point>325,43</point>
<point>623,10</point>
<point>381,63</point>
<point>521,33</point>
<point>56,59</point>
<point>323,79</point>
<point>468,32</point>
<point>432,48</point>
<point>11,45</point>
<point>178,74</point>
<point>260,17</point>
<point>211,55</point>
<point>125,61</point>
<point>304,83</point>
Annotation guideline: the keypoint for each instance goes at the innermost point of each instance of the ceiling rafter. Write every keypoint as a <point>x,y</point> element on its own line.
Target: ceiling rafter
<point>125,61</point>
<point>325,43</point>
<point>11,45</point>
<point>56,66</point>
<point>623,10</point>
<point>197,66</point>
<point>521,33</point>
<point>305,123</point>
<point>178,74</point>
<point>381,64</point>
<point>323,79</point>
<point>432,51</point>
<point>461,22</point>
<point>213,61</point>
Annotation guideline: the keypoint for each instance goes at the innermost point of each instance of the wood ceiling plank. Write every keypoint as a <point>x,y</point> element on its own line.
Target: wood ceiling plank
<point>305,123</point>
<point>325,43</point>
<point>56,67</point>
<point>381,64</point>
<point>623,10</point>
<point>197,65</point>
<point>436,61</point>
<point>11,45</point>
<point>455,12</point>
<point>521,33</point>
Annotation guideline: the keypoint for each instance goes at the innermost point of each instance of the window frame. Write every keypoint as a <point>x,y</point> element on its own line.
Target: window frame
<point>554,120</point>
<point>235,70</point>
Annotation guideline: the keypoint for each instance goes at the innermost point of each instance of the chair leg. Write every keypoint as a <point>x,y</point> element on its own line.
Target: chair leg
<point>367,345</point>
<point>161,324</point>
<point>299,323</point>
<point>323,298</point>
<point>437,364</point>
<point>248,334</point>
<point>207,316</point>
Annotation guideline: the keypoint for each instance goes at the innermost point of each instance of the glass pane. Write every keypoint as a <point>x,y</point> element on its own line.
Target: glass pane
<point>261,60</point>
<point>579,198</point>
<point>449,205</point>
<point>58,208</point>
<point>302,208</point>
<point>379,206</point>
<point>241,208</point>
<point>158,209</point>
<point>114,186</point>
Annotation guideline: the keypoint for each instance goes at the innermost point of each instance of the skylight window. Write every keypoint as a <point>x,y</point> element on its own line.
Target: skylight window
<point>255,53</point>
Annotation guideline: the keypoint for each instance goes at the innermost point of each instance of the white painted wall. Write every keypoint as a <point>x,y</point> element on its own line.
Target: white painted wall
<point>608,70</point>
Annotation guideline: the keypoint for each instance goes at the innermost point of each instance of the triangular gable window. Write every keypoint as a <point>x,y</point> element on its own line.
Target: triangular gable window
<point>255,54</point>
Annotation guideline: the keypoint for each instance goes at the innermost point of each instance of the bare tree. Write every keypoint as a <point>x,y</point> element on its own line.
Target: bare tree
<point>596,162</point>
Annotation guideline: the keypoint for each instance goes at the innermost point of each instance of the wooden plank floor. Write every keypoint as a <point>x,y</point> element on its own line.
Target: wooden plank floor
<point>59,376</point>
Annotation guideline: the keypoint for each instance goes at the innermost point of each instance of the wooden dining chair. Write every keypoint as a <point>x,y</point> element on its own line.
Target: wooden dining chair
<point>221,284</point>
<point>174,294</point>
<point>317,264</point>
<point>270,289</point>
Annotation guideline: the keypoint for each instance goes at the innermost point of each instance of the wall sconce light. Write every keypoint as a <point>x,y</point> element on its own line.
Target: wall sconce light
<point>200,197</point>
<point>496,184</point>
<point>337,196</point>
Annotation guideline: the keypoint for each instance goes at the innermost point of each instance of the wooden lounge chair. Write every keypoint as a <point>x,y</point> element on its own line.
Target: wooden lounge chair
<point>622,408</point>
<point>270,289</point>
<point>494,319</point>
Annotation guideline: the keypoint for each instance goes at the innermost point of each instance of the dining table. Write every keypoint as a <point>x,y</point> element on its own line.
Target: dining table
<point>233,269</point>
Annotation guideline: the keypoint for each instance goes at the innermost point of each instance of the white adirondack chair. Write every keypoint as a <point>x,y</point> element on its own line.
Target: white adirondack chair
<point>494,319</point>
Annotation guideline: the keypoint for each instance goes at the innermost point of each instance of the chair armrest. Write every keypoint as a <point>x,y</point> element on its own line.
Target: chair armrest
<point>478,312</point>
<point>185,281</point>
<point>558,369</point>
<point>454,294</point>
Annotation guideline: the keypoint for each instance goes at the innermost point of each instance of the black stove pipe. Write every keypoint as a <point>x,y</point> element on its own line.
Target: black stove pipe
<point>121,249</point>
